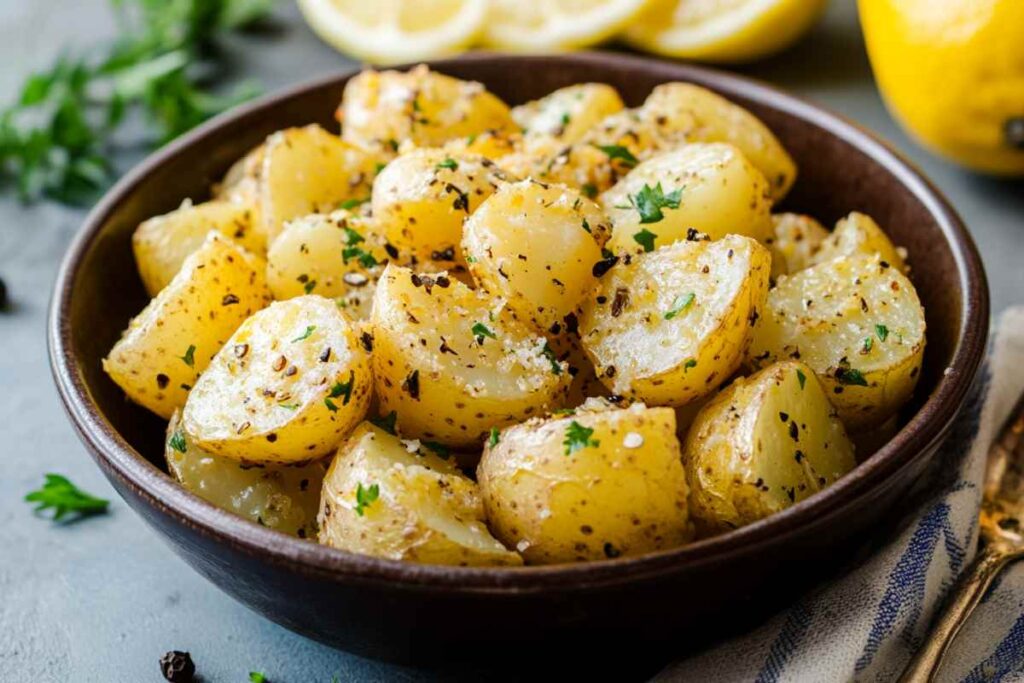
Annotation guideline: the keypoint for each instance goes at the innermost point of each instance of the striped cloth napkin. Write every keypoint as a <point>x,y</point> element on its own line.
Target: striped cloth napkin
<point>866,625</point>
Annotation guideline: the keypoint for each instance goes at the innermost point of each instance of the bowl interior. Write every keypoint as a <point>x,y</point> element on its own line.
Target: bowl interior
<point>841,170</point>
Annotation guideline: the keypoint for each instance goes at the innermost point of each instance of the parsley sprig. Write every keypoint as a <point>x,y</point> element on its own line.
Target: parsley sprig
<point>64,498</point>
<point>365,496</point>
<point>650,201</point>
<point>577,437</point>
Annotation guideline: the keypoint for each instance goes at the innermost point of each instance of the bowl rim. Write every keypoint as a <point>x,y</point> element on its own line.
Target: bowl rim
<point>158,490</point>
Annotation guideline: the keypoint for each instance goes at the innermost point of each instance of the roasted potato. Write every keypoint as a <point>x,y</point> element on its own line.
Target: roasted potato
<point>488,144</point>
<point>379,109</point>
<point>280,497</point>
<point>399,500</point>
<point>859,234</point>
<point>857,322</point>
<point>162,243</point>
<point>796,241</point>
<point>710,188</point>
<point>595,485</point>
<point>670,326</point>
<point>335,255</point>
<point>535,245</point>
<point>167,345</point>
<point>421,199</point>
<point>308,170</point>
<point>286,388</point>
<point>569,112</point>
<point>764,443</point>
<point>584,167</point>
<point>451,363</point>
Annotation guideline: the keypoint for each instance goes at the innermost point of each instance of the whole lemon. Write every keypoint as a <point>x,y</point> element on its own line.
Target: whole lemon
<point>952,72</point>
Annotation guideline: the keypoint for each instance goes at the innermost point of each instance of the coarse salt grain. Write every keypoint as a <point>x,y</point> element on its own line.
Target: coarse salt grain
<point>633,440</point>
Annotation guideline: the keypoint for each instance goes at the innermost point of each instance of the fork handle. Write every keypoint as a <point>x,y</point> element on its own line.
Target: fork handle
<point>966,595</point>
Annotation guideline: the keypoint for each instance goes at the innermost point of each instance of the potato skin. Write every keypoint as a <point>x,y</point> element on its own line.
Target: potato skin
<point>639,352</point>
<point>380,109</point>
<point>623,493</point>
<point>425,509</point>
<point>165,348</point>
<point>720,193</point>
<point>857,322</point>
<point>796,242</point>
<point>764,443</point>
<point>287,387</point>
<point>162,243</point>
<point>283,498</point>
<point>569,112</point>
<point>447,380</point>
<point>536,246</point>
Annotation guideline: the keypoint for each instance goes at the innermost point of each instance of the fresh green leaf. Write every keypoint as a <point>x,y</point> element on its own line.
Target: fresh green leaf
<point>589,189</point>
<point>495,435</point>
<point>850,376</point>
<point>305,335</point>
<point>449,163</point>
<point>344,388</point>
<point>309,286</point>
<point>801,377</point>
<point>577,437</point>
<point>650,201</point>
<point>387,422</point>
<point>868,343</point>
<point>619,152</point>
<point>64,498</point>
<point>439,449</point>
<point>645,238</point>
<point>680,304</point>
<point>556,367</point>
<point>365,497</point>
<point>257,677</point>
<point>350,204</point>
<point>480,331</point>
<point>177,441</point>
<point>189,358</point>
<point>882,332</point>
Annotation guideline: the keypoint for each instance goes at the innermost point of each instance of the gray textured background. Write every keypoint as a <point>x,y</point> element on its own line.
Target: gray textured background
<point>103,599</point>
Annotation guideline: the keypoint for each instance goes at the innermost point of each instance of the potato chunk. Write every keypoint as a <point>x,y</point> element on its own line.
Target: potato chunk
<point>162,243</point>
<point>398,500</point>
<point>764,443</point>
<point>286,388</point>
<point>334,255</point>
<point>859,234</point>
<point>421,199</point>
<point>452,363</point>
<point>379,109</point>
<point>857,322</point>
<point>536,246</point>
<point>549,160</point>
<point>167,345</point>
<point>670,326</point>
<point>797,240</point>
<point>285,498</point>
<point>710,188</point>
<point>569,112</point>
<point>308,170</point>
<point>595,485</point>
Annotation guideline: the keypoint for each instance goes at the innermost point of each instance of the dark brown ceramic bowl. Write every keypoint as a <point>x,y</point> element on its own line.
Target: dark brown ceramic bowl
<point>405,611</point>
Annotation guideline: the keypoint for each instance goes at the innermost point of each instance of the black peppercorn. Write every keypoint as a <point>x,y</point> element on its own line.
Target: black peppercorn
<point>3,295</point>
<point>177,667</point>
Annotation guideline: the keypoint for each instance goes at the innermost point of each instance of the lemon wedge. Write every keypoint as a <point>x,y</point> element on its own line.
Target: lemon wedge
<point>392,31</point>
<point>553,25</point>
<point>722,30</point>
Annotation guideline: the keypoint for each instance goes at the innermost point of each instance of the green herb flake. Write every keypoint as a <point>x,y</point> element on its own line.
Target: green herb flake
<point>309,286</point>
<point>621,153</point>
<point>586,226</point>
<point>64,498</point>
<point>331,405</point>
<point>882,332</point>
<point>257,677</point>
<point>344,388</point>
<point>386,422</point>
<point>850,376</point>
<point>449,163</point>
<point>353,251</point>
<point>556,367</point>
<point>577,437</point>
<point>589,189</point>
<point>480,331</point>
<point>565,119</point>
<point>289,406</point>
<point>189,358</point>
<point>305,335</point>
<point>492,440</point>
<point>177,441</point>
<point>365,497</point>
<point>680,304</point>
<point>691,363</point>
<point>354,203</point>
<point>645,238</point>
<point>438,449</point>
<point>868,343</point>
<point>650,201</point>
<point>801,377</point>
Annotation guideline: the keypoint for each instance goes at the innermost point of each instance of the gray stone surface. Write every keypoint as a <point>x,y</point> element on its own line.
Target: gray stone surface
<point>101,600</point>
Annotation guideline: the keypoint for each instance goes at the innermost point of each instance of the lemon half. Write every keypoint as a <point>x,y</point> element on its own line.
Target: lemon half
<point>555,25</point>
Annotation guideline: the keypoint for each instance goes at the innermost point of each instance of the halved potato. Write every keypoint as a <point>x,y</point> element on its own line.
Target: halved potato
<point>796,241</point>
<point>857,322</point>
<point>285,498</point>
<point>535,245</point>
<point>859,234</point>
<point>452,363</point>
<point>308,170</point>
<point>167,345</point>
<point>582,166</point>
<point>396,499</point>
<point>162,243</point>
<point>764,443</point>
<point>380,109</point>
<point>710,188</point>
<point>334,255</point>
<point>670,326</point>
<point>597,484</point>
<point>421,199</point>
<point>569,112</point>
<point>286,388</point>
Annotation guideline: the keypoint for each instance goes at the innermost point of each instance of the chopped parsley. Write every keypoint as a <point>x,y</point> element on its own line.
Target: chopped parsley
<point>847,375</point>
<point>257,677</point>
<point>309,286</point>
<point>565,119</point>
<point>65,498</point>
<point>344,388</point>
<point>577,437</point>
<point>645,238</point>
<point>882,332</point>
<point>353,251</point>
<point>439,449</point>
<point>589,189</point>
<point>177,441</point>
<point>492,440</point>
<point>680,304</point>
<point>556,368</point>
<point>619,152</point>
<point>365,497</point>
<point>868,343</point>
<point>289,406</point>
<point>305,335</point>
<point>691,363</point>
<point>586,226</point>
<point>449,163</point>
<point>480,331</point>
<point>190,356</point>
<point>350,204</point>
<point>801,377</point>
<point>386,422</point>
<point>650,201</point>
<point>331,405</point>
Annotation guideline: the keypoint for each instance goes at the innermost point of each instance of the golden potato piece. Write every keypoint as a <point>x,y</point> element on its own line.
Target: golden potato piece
<point>285,498</point>
<point>167,345</point>
<point>421,199</point>
<point>710,188</point>
<point>670,326</point>
<point>859,234</point>
<point>569,112</point>
<point>796,241</point>
<point>490,144</point>
<point>766,442</point>
<point>162,243</point>
<point>452,364</point>
<point>286,388</point>
<point>399,500</point>
<point>597,484</point>
<point>308,170</point>
<point>380,109</point>
<point>535,245</point>
<point>547,159</point>
<point>334,255</point>
<point>857,322</point>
